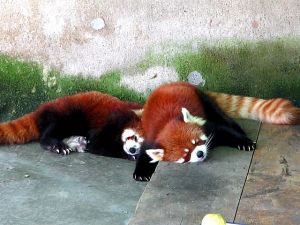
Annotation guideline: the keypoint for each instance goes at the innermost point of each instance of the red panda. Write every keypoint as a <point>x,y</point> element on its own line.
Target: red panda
<point>89,114</point>
<point>181,124</point>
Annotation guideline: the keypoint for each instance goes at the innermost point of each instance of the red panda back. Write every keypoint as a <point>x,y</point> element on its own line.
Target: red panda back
<point>165,103</point>
<point>95,105</point>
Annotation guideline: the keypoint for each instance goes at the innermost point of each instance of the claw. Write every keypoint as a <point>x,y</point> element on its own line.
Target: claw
<point>239,147</point>
<point>57,151</point>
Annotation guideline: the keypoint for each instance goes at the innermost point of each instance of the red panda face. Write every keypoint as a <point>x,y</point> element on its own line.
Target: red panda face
<point>182,141</point>
<point>132,141</point>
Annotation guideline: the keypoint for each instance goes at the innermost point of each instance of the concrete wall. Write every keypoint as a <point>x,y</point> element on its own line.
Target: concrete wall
<point>91,37</point>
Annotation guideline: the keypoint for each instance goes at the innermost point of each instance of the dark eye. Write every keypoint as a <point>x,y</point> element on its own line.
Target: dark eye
<point>133,137</point>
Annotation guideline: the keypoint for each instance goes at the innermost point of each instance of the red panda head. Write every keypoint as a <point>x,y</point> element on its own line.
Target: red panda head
<point>182,141</point>
<point>132,136</point>
<point>132,141</point>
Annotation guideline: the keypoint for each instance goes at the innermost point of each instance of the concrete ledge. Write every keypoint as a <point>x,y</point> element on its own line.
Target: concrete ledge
<point>183,194</point>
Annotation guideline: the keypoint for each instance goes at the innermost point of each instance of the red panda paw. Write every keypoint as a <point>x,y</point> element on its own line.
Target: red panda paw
<point>247,146</point>
<point>144,170</point>
<point>61,148</point>
<point>141,178</point>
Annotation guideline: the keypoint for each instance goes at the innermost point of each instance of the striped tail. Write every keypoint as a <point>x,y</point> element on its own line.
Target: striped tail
<point>275,111</point>
<point>19,131</point>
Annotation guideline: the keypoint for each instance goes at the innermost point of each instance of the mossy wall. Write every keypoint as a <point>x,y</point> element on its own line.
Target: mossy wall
<point>23,86</point>
<point>262,69</point>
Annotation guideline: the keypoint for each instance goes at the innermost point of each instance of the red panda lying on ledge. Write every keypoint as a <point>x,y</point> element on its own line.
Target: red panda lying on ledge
<point>181,124</point>
<point>109,124</point>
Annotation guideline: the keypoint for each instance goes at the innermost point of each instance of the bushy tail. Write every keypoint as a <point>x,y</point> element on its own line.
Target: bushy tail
<point>19,131</point>
<point>276,111</point>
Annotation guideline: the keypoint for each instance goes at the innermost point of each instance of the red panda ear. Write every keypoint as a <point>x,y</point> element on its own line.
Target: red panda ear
<point>138,112</point>
<point>155,154</point>
<point>189,118</point>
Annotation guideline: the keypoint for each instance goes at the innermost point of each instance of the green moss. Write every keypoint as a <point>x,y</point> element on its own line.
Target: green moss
<point>261,69</point>
<point>23,86</point>
<point>108,83</point>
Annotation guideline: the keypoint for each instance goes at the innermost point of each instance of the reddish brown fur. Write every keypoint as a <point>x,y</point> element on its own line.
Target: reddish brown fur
<point>97,107</point>
<point>162,118</point>
<point>276,111</point>
<point>176,137</point>
<point>19,131</point>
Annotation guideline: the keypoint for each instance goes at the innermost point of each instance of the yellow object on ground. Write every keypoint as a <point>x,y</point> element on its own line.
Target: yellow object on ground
<point>213,219</point>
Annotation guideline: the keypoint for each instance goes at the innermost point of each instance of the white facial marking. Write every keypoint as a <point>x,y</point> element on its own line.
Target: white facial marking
<point>127,133</point>
<point>181,160</point>
<point>203,137</point>
<point>131,143</point>
<point>199,148</point>
<point>186,150</point>
<point>193,142</point>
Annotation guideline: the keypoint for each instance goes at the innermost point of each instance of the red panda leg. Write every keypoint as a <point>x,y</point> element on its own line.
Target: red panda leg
<point>227,136</point>
<point>144,169</point>
<point>53,144</point>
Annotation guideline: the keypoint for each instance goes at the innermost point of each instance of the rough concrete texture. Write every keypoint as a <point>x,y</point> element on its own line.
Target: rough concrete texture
<point>93,36</point>
<point>39,187</point>
<point>272,194</point>
<point>150,79</point>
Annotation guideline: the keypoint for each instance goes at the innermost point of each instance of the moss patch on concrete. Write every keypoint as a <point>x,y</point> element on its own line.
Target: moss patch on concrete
<point>23,86</point>
<point>263,69</point>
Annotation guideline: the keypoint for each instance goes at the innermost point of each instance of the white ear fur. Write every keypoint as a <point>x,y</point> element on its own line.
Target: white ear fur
<point>155,154</point>
<point>188,118</point>
<point>138,112</point>
<point>186,115</point>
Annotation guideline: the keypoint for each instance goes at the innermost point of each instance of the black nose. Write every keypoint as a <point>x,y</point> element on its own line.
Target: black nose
<point>132,150</point>
<point>199,154</point>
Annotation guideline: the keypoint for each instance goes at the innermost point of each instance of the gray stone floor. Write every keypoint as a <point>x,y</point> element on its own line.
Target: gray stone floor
<point>257,188</point>
<point>181,194</point>
<point>40,187</point>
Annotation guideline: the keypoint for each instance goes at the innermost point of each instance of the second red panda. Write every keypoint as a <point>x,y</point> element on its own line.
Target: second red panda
<point>105,120</point>
<point>181,124</point>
